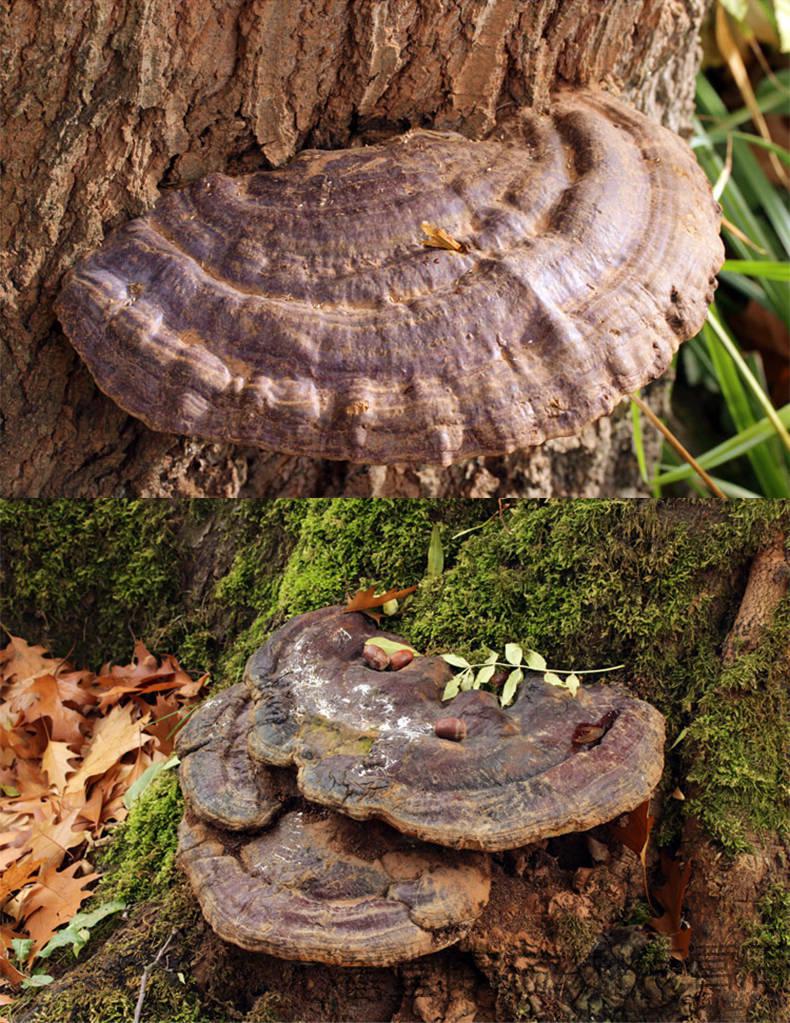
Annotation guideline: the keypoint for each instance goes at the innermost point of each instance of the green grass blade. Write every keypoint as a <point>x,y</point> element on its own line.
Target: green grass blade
<point>736,399</point>
<point>639,444</point>
<point>728,450</point>
<point>768,270</point>
<point>748,377</point>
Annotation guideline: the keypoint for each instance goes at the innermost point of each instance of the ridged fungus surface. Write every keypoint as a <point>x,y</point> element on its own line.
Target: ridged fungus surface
<point>220,782</point>
<point>299,309</point>
<point>323,888</point>
<point>365,743</point>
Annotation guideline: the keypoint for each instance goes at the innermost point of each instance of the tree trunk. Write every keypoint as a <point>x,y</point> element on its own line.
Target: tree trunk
<point>110,102</point>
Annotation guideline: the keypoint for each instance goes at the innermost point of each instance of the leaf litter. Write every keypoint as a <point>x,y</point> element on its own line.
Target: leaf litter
<point>74,747</point>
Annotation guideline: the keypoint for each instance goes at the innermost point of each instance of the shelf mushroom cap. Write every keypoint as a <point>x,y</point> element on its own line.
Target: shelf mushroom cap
<point>220,782</point>
<point>364,742</point>
<point>298,309</point>
<point>320,887</point>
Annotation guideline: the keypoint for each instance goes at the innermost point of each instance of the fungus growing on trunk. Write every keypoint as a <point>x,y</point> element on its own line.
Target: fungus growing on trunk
<point>300,309</point>
<point>221,783</point>
<point>321,887</point>
<point>366,743</point>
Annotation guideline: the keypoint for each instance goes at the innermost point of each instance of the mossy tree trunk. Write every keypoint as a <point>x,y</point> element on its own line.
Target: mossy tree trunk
<point>691,596</point>
<point>110,102</point>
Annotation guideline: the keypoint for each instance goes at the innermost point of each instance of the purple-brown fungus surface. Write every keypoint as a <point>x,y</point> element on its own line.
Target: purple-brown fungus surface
<point>298,309</point>
<point>365,741</point>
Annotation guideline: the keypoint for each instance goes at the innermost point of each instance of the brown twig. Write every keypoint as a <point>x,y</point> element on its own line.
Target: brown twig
<point>675,443</point>
<point>138,1009</point>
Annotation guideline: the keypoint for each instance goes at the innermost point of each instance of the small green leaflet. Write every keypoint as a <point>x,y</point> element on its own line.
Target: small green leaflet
<point>390,646</point>
<point>467,679</point>
<point>435,553</point>
<point>535,661</point>
<point>37,980</point>
<point>513,653</point>
<point>455,660</point>
<point>22,947</point>
<point>452,688</point>
<point>78,929</point>
<point>151,772</point>
<point>509,689</point>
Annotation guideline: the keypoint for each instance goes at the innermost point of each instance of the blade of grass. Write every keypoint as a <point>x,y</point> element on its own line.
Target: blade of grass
<point>735,492</point>
<point>724,123</point>
<point>732,56</point>
<point>769,270</point>
<point>728,450</point>
<point>645,409</point>
<point>639,446</point>
<point>739,407</point>
<point>755,140</point>
<point>749,378</point>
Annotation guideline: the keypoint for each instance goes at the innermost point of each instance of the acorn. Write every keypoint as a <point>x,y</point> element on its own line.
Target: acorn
<point>450,728</point>
<point>375,657</point>
<point>400,659</point>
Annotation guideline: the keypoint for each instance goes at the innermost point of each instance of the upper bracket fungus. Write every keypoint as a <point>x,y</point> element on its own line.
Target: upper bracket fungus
<point>366,743</point>
<point>299,309</point>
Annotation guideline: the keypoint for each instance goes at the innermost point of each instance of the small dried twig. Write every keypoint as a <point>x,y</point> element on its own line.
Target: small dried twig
<point>138,1009</point>
<point>672,439</point>
<point>438,238</point>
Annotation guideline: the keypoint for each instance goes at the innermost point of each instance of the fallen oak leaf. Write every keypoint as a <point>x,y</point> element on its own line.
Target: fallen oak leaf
<point>364,600</point>
<point>54,899</point>
<point>20,660</point>
<point>10,972</point>
<point>114,735</point>
<point>42,698</point>
<point>16,877</point>
<point>55,763</point>
<point>590,733</point>
<point>670,896</point>
<point>633,830</point>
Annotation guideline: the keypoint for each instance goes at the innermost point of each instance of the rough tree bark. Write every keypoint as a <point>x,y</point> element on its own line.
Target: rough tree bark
<point>109,102</point>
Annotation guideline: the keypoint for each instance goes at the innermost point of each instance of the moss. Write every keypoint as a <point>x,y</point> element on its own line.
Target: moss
<point>654,957</point>
<point>87,570</point>
<point>105,987</point>
<point>655,587</point>
<point>140,861</point>
<point>767,952</point>
<point>301,555</point>
<point>575,938</point>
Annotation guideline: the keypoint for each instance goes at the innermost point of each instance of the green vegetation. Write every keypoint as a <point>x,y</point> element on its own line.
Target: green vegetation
<point>743,437</point>
<point>140,862</point>
<point>767,953</point>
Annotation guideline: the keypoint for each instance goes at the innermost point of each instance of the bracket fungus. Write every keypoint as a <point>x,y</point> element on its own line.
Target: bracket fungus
<point>298,309</point>
<point>366,743</point>
<point>312,885</point>
<point>222,784</point>
<point>314,789</point>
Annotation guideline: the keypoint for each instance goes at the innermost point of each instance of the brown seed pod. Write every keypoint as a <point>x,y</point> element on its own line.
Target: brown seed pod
<point>400,659</point>
<point>375,657</point>
<point>450,728</point>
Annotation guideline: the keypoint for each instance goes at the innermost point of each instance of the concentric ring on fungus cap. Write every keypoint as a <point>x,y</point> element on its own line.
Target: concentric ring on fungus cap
<point>297,309</point>
<point>364,742</point>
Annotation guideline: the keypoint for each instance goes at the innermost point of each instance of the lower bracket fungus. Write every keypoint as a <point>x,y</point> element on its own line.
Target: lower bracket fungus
<point>301,310</point>
<point>314,789</point>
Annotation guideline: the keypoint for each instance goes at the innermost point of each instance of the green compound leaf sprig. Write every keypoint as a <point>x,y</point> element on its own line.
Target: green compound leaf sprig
<point>473,676</point>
